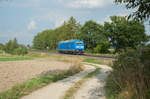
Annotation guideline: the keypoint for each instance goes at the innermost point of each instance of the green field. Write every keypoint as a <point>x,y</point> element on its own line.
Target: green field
<point>15,58</point>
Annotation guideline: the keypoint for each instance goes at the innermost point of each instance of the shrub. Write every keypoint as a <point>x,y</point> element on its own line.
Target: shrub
<point>20,51</point>
<point>12,47</point>
<point>131,74</point>
<point>102,48</point>
<point>97,49</point>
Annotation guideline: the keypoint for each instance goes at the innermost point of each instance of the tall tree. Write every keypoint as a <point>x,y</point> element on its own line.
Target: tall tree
<point>142,8</point>
<point>50,38</point>
<point>15,43</point>
<point>92,34</point>
<point>125,33</point>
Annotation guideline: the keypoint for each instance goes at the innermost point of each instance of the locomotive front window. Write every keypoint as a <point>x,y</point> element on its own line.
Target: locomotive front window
<point>79,43</point>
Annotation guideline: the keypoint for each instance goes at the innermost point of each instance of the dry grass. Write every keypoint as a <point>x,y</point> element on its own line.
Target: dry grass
<point>33,74</point>
<point>14,72</point>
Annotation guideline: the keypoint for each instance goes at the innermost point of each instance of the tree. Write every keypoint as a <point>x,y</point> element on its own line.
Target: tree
<point>92,34</point>
<point>9,47</point>
<point>50,38</point>
<point>1,46</point>
<point>15,43</point>
<point>124,33</point>
<point>142,6</point>
<point>12,47</point>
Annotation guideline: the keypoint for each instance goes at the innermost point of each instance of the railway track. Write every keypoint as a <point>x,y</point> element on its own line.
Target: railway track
<point>84,55</point>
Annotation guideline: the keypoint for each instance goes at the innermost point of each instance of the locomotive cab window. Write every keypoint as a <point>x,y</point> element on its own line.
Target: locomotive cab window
<point>79,43</point>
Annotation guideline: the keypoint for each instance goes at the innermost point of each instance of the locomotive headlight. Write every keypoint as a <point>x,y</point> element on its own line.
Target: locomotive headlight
<point>79,46</point>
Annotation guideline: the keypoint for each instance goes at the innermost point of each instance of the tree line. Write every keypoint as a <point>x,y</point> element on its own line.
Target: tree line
<point>121,33</point>
<point>12,47</point>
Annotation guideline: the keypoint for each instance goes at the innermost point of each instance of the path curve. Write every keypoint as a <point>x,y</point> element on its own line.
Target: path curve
<point>58,89</point>
<point>94,87</point>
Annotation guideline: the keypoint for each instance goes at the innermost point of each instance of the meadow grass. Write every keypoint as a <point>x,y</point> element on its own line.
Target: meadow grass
<point>70,93</point>
<point>27,87</point>
<point>30,56</point>
<point>98,61</point>
<point>16,58</point>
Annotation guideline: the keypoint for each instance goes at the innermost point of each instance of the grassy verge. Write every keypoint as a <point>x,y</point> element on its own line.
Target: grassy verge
<point>29,56</point>
<point>111,88</point>
<point>15,58</point>
<point>25,88</point>
<point>70,93</point>
<point>98,61</point>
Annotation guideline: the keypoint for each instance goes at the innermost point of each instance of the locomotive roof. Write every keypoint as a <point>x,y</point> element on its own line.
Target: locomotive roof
<point>70,41</point>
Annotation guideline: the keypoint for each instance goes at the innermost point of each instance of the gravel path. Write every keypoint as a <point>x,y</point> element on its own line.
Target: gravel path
<point>94,87</point>
<point>58,89</point>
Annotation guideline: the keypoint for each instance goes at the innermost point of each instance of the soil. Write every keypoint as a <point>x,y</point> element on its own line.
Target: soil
<point>14,72</point>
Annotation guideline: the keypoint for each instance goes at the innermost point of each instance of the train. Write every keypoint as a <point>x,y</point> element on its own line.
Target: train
<point>71,47</point>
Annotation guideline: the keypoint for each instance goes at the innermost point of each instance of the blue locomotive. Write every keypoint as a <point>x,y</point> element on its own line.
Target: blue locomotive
<point>71,46</point>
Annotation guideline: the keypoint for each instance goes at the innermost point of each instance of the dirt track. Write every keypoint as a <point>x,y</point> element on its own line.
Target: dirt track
<point>92,89</point>
<point>15,72</point>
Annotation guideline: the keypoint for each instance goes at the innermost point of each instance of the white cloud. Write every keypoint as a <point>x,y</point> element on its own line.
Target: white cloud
<point>85,3</point>
<point>88,3</point>
<point>106,19</point>
<point>60,21</point>
<point>123,14</point>
<point>31,25</point>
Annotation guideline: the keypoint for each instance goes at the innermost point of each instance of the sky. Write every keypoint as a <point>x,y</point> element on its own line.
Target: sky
<point>23,19</point>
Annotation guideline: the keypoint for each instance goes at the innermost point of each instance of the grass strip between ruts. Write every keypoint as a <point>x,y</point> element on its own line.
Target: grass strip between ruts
<point>70,93</point>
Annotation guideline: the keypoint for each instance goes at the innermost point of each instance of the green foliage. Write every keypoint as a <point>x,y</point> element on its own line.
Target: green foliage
<point>142,13</point>
<point>121,33</point>
<point>20,51</point>
<point>1,46</point>
<point>131,74</point>
<point>48,39</point>
<point>97,49</point>
<point>13,47</point>
<point>124,33</point>
<point>92,34</point>
<point>1,52</point>
<point>102,48</point>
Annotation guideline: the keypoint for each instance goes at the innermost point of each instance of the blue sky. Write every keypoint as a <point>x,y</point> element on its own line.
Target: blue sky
<point>23,19</point>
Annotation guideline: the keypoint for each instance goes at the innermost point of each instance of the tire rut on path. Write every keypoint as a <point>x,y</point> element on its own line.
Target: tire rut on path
<point>58,89</point>
<point>94,87</point>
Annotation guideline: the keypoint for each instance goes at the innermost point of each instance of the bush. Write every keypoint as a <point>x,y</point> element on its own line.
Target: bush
<point>102,48</point>
<point>131,74</point>
<point>12,47</point>
<point>20,51</point>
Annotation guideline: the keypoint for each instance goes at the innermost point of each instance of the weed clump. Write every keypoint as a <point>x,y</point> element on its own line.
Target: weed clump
<point>130,78</point>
